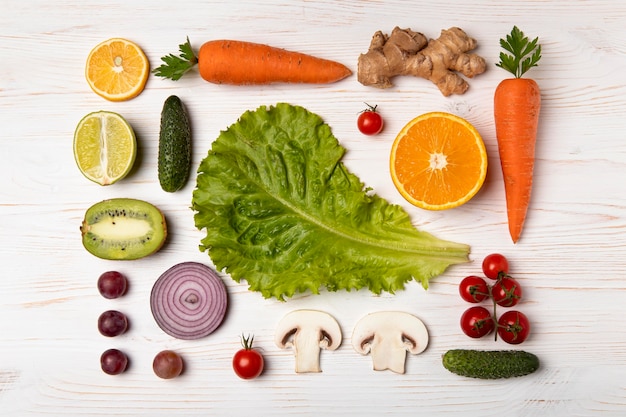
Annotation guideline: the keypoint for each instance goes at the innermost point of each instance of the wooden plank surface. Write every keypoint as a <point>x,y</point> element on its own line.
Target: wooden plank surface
<point>571,259</point>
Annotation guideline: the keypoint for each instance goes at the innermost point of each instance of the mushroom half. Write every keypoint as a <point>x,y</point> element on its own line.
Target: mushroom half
<point>306,332</point>
<point>388,336</point>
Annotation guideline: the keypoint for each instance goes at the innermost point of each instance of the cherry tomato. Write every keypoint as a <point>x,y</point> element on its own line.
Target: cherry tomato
<point>473,289</point>
<point>248,363</point>
<point>495,266</point>
<point>477,322</point>
<point>370,122</point>
<point>506,292</point>
<point>513,327</point>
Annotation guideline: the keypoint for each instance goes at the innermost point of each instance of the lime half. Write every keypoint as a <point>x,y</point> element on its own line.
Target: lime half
<point>104,147</point>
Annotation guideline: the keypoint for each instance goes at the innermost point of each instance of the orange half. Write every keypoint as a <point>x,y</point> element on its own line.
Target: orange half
<point>117,69</point>
<point>438,161</point>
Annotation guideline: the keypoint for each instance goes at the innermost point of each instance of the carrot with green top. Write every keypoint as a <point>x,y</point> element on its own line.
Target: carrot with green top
<point>517,102</point>
<point>246,63</point>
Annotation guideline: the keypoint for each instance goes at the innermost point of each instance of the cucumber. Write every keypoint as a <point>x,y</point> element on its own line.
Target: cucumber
<point>174,161</point>
<point>490,364</point>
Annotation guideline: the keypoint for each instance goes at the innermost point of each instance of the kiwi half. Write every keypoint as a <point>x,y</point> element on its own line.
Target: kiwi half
<point>123,228</point>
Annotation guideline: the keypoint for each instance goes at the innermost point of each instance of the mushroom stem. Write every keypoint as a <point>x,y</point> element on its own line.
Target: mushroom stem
<point>389,354</point>
<point>307,352</point>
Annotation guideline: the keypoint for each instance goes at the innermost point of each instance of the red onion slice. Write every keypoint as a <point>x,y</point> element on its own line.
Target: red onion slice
<point>189,301</point>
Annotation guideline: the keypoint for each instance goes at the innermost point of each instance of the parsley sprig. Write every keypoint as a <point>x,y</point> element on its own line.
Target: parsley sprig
<point>175,67</point>
<point>524,53</point>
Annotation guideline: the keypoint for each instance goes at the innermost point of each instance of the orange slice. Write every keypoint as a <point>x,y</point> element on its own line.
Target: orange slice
<point>117,69</point>
<point>438,161</point>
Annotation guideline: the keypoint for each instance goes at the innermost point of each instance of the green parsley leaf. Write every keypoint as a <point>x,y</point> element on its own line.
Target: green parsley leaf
<point>523,53</point>
<point>175,67</point>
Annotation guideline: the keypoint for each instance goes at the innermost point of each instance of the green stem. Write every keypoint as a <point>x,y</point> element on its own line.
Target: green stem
<point>494,316</point>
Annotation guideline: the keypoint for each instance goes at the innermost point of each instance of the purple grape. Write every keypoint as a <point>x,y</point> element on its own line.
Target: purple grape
<point>112,284</point>
<point>167,364</point>
<point>112,323</point>
<point>113,361</point>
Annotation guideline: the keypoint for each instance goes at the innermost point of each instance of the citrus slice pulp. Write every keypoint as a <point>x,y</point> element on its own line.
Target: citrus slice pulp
<point>104,147</point>
<point>117,69</point>
<point>438,161</point>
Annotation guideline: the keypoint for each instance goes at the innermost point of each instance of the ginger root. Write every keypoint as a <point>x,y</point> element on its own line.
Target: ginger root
<point>405,52</point>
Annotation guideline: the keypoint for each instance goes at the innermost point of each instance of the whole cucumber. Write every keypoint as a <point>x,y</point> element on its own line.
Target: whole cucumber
<point>490,364</point>
<point>174,161</point>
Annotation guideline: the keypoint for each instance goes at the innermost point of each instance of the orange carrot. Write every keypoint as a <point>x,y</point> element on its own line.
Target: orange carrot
<point>517,102</point>
<point>246,63</point>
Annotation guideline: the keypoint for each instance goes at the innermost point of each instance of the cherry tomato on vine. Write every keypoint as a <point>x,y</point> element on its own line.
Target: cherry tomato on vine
<point>513,327</point>
<point>506,292</point>
<point>495,266</point>
<point>248,363</point>
<point>473,289</point>
<point>477,322</point>
<point>370,122</point>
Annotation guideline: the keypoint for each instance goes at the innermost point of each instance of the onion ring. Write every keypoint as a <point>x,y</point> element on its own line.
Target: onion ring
<point>189,301</point>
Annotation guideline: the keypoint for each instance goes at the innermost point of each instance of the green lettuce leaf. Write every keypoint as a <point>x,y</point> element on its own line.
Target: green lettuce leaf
<point>282,212</point>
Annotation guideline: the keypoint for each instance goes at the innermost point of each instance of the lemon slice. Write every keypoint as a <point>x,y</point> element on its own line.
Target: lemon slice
<point>104,147</point>
<point>117,69</point>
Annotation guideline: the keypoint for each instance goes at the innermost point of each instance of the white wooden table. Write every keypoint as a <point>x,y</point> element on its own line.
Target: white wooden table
<point>571,259</point>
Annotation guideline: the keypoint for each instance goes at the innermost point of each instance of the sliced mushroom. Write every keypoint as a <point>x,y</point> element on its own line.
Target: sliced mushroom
<point>306,332</point>
<point>388,336</point>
